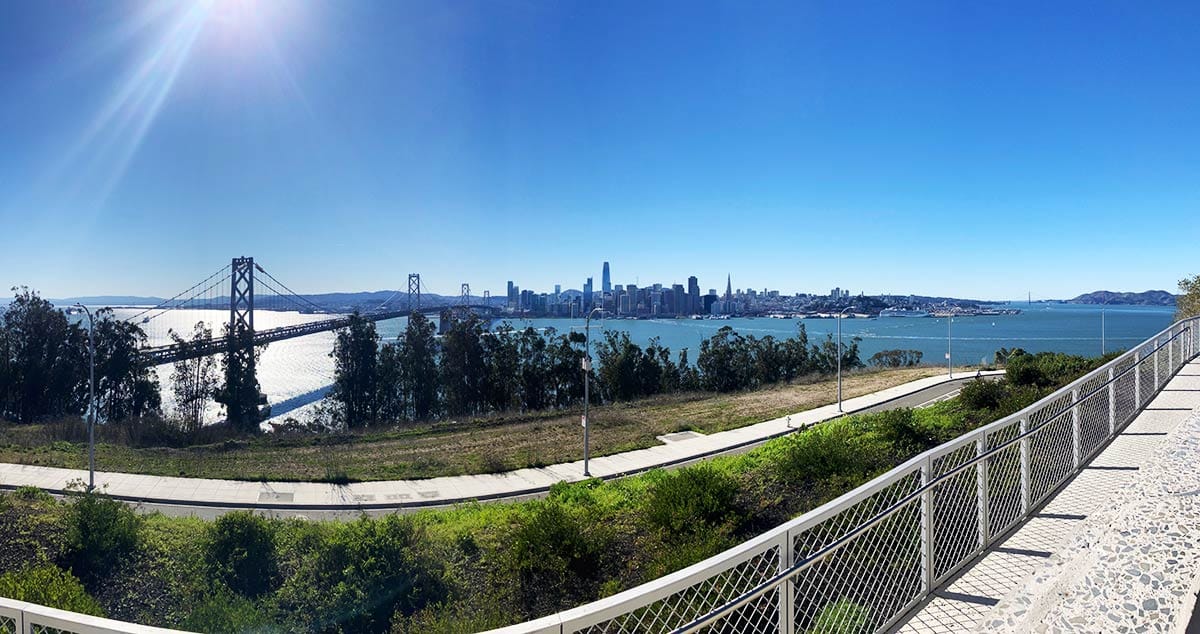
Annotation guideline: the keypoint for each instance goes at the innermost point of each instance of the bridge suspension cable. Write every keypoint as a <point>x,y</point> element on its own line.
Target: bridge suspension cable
<point>207,283</point>
<point>299,299</point>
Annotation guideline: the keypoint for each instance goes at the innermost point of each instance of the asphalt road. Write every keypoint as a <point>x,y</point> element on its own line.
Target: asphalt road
<point>922,398</point>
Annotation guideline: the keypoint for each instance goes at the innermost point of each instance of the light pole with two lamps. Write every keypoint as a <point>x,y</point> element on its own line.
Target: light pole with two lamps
<point>587,374</point>
<point>91,399</point>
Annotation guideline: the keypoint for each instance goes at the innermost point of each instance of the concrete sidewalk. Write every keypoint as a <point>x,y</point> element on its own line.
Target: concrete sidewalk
<point>443,491</point>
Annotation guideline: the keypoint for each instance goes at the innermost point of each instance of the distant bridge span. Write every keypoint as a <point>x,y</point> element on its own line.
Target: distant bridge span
<point>171,353</point>
<point>240,275</point>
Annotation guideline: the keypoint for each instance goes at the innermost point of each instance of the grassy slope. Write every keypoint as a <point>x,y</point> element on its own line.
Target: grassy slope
<point>493,444</point>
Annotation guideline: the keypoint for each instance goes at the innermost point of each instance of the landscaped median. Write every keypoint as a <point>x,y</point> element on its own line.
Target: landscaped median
<point>475,566</point>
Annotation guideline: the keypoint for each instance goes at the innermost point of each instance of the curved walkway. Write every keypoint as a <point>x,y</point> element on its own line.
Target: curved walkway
<point>207,497</point>
<point>1113,550</point>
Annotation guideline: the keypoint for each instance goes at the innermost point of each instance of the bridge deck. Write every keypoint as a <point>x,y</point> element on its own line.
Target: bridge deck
<point>966,601</point>
<point>171,353</point>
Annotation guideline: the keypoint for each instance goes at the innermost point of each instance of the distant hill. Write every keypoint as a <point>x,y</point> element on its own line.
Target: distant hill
<point>1147,298</point>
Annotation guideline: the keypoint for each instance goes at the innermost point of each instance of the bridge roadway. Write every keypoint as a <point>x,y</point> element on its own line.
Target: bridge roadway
<point>209,498</point>
<point>173,352</point>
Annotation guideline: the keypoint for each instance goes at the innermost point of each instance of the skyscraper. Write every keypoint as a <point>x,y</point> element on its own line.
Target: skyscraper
<point>728,288</point>
<point>587,294</point>
<point>606,281</point>
<point>693,295</point>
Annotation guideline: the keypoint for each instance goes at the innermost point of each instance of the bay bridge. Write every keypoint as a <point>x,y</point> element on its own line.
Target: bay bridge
<point>248,292</point>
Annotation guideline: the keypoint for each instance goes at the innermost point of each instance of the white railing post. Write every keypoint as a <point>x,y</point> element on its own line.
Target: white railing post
<point>927,564</point>
<point>981,488</point>
<point>1137,380</point>
<point>1112,402</point>
<point>787,613</point>
<point>1157,352</point>
<point>1171,354</point>
<point>1024,427</point>
<point>1075,448</point>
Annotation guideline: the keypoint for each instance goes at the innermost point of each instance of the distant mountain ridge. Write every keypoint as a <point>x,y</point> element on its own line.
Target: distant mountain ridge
<point>1145,298</point>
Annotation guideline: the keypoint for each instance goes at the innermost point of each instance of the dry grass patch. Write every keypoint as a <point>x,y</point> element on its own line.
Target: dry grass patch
<point>494,444</point>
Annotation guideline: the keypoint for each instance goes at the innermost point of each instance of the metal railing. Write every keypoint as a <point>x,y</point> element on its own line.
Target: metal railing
<point>864,560</point>
<point>19,617</point>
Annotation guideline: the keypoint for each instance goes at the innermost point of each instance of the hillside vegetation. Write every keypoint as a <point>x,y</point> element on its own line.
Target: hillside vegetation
<point>476,566</point>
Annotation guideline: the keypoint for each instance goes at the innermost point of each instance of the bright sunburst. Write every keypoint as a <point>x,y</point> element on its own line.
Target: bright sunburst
<point>229,35</point>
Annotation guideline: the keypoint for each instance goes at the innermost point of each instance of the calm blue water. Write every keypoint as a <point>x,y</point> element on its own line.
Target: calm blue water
<point>1070,328</point>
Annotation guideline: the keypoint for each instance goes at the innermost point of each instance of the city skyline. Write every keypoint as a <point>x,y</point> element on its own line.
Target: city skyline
<point>934,149</point>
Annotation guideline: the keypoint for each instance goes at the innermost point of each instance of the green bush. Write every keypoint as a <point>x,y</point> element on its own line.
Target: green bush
<point>692,499</point>
<point>842,617</point>
<point>833,451</point>
<point>554,554</point>
<point>49,586</point>
<point>901,430</point>
<point>354,577</point>
<point>984,394</point>
<point>240,550</point>
<point>100,532</point>
<point>1046,369</point>
<point>224,613</point>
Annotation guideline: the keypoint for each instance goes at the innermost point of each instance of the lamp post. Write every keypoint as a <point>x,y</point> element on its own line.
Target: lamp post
<point>839,356</point>
<point>1101,332</point>
<point>949,338</point>
<point>587,374</point>
<point>91,399</point>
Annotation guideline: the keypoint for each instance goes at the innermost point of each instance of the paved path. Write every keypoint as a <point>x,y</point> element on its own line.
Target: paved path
<point>1040,562</point>
<point>209,497</point>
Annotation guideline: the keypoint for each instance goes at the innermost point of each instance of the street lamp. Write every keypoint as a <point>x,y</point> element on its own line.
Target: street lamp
<point>1101,332</point>
<point>839,356</point>
<point>949,338</point>
<point>587,373</point>
<point>91,400</point>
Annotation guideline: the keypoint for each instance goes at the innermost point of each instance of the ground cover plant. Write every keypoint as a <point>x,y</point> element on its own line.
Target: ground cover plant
<point>476,566</point>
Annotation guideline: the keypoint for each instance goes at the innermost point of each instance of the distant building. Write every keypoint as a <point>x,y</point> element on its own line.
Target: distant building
<point>693,307</point>
<point>512,295</point>
<point>606,280</point>
<point>587,294</point>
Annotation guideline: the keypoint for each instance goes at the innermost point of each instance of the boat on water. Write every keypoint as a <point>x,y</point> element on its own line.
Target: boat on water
<point>902,312</point>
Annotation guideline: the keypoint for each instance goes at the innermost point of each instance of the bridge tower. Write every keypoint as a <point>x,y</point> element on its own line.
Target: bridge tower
<point>241,296</point>
<point>487,298</point>
<point>414,292</point>
<point>465,299</point>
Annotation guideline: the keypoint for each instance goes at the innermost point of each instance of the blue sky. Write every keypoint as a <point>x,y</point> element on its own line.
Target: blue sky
<point>971,149</point>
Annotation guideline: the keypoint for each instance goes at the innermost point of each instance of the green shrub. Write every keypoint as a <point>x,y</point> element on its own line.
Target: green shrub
<point>240,550</point>
<point>983,394</point>
<point>837,450</point>
<point>100,532</point>
<point>49,586</point>
<point>554,554</point>
<point>1046,369</point>
<point>224,613</point>
<point>901,430</point>
<point>355,576</point>
<point>842,617</point>
<point>692,499</point>
<point>32,494</point>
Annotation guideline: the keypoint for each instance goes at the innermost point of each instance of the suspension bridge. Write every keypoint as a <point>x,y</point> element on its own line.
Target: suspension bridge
<point>244,287</point>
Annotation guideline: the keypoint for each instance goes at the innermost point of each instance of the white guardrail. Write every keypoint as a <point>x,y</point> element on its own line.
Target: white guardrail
<point>19,617</point>
<point>860,562</point>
